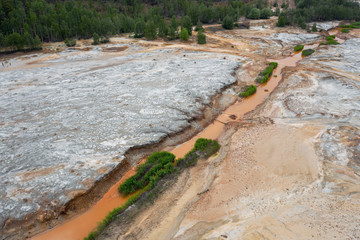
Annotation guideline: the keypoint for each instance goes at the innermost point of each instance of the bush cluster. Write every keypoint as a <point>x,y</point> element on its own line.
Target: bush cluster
<point>155,167</point>
<point>265,75</point>
<point>330,40</point>
<point>248,91</point>
<point>307,52</point>
<point>347,28</point>
<point>203,148</point>
<point>298,48</point>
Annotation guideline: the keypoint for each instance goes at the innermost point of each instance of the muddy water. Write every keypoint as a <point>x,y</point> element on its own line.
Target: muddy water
<point>79,227</point>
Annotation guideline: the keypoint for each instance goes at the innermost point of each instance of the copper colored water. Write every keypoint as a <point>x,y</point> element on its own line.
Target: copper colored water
<point>80,226</point>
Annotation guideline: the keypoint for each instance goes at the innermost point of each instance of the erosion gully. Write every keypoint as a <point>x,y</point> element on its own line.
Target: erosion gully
<point>79,227</point>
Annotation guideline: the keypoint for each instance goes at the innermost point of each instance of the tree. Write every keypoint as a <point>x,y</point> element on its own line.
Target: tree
<point>254,14</point>
<point>277,12</point>
<point>281,21</point>
<point>174,24</point>
<point>314,28</point>
<point>163,29</point>
<point>228,23</point>
<point>36,43</point>
<point>199,26</point>
<point>139,28</point>
<point>15,40</point>
<point>201,37</point>
<point>96,39</point>
<point>186,23</point>
<point>150,31</point>
<point>184,35</point>
<point>172,33</point>
<point>265,13</point>
<point>301,22</point>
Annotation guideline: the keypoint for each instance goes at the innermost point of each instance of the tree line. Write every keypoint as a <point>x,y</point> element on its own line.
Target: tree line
<point>24,24</point>
<point>319,10</point>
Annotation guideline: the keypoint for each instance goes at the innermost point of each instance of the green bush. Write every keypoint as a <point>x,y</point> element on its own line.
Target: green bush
<point>265,75</point>
<point>201,38</point>
<point>298,48</point>
<point>307,52</point>
<point>265,13</point>
<point>345,30</point>
<point>70,43</point>
<point>281,22</point>
<point>228,23</point>
<point>199,26</point>
<point>154,164</point>
<point>184,35</point>
<point>330,42</point>
<point>331,37</point>
<point>254,13</point>
<point>248,91</point>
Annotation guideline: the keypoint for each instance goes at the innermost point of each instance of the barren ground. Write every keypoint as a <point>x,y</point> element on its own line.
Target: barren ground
<point>289,171</point>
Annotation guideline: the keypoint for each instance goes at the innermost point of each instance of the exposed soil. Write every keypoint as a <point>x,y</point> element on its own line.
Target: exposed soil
<point>265,174</point>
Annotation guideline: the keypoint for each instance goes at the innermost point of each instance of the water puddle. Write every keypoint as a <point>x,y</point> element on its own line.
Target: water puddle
<point>80,226</point>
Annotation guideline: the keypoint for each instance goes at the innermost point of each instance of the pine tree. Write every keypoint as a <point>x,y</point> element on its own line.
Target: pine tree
<point>281,21</point>
<point>201,38</point>
<point>228,23</point>
<point>150,31</point>
<point>187,23</point>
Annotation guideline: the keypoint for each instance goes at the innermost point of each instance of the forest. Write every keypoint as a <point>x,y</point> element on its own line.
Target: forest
<point>25,24</point>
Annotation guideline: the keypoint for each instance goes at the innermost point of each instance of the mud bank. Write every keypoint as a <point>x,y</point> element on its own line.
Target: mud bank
<point>290,170</point>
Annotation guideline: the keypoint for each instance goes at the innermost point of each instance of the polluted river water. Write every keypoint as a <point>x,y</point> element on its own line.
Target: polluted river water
<point>79,226</point>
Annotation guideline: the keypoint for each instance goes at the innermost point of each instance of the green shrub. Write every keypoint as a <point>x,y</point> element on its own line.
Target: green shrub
<point>345,30</point>
<point>228,22</point>
<point>248,91</point>
<point>307,52</point>
<point>254,13</point>
<point>298,48</point>
<point>314,28</point>
<point>330,42</point>
<point>265,75</point>
<point>281,22</point>
<point>70,43</point>
<point>201,38</point>
<point>331,37</point>
<point>184,35</point>
<point>199,26</point>
<point>265,13</point>
<point>154,164</point>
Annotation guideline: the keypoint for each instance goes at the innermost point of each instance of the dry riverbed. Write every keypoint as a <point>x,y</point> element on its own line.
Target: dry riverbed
<point>69,119</point>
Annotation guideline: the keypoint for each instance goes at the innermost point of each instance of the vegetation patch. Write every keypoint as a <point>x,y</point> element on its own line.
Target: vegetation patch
<point>248,91</point>
<point>298,48</point>
<point>307,52</point>
<point>266,74</point>
<point>70,43</point>
<point>345,30</point>
<point>330,42</point>
<point>158,179</point>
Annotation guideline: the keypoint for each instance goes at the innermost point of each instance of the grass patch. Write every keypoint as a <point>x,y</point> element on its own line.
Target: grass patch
<point>331,37</point>
<point>265,75</point>
<point>352,25</point>
<point>248,91</point>
<point>307,52</point>
<point>330,42</point>
<point>298,48</point>
<point>158,182</point>
<point>345,30</point>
